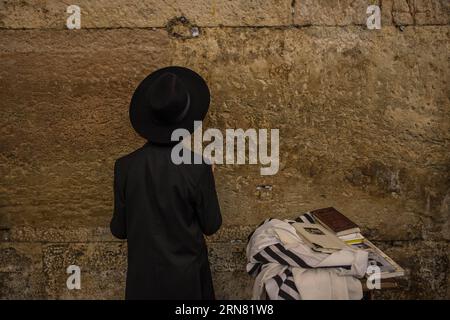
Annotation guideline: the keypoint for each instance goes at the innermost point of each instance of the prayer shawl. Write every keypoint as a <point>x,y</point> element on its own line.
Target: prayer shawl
<point>286,268</point>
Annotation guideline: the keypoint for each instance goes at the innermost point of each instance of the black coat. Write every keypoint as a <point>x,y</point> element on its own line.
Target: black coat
<point>163,210</point>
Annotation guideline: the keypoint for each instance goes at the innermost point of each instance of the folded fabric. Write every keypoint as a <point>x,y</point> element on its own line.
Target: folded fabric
<point>285,267</point>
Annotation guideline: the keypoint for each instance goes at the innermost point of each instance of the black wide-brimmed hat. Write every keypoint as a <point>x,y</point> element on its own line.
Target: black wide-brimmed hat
<point>169,98</point>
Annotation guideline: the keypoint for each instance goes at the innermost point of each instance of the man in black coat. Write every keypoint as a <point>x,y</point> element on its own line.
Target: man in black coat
<point>161,208</point>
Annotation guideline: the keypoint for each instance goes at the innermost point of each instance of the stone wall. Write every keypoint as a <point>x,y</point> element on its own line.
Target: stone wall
<point>364,119</point>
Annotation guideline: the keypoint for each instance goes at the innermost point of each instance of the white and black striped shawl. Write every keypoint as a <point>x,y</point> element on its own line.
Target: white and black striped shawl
<point>277,253</point>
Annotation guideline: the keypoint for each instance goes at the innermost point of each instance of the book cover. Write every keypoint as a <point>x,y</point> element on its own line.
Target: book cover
<point>335,221</point>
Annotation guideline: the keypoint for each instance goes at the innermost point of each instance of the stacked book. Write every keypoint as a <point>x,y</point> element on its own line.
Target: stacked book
<point>334,231</point>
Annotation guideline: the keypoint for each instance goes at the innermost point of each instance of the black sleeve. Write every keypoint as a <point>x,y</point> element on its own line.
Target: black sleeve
<point>206,203</point>
<point>118,223</point>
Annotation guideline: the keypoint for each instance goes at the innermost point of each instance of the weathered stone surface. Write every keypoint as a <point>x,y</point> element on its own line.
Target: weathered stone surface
<point>233,285</point>
<point>21,274</point>
<point>227,257</point>
<point>331,13</point>
<point>234,234</point>
<point>350,12</point>
<point>70,121</point>
<point>33,14</point>
<point>418,12</point>
<point>74,154</point>
<point>70,233</point>
<point>431,12</point>
<point>426,265</point>
<point>144,13</point>
<point>332,111</point>
<point>403,12</point>
<point>26,273</point>
<point>102,266</point>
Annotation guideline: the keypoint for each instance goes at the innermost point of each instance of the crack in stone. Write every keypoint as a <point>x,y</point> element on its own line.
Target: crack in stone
<point>293,2</point>
<point>412,9</point>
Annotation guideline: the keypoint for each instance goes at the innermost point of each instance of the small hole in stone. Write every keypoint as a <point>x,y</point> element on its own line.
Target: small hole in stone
<point>182,28</point>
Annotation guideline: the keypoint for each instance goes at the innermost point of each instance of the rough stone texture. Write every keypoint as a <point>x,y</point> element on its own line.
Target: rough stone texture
<point>331,13</point>
<point>232,285</point>
<point>36,14</point>
<point>363,118</point>
<point>427,265</point>
<point>102,267</point>
<point>21,275</point>
<point>32,14</point>
<point>419,12</point>
<point>351,12</point>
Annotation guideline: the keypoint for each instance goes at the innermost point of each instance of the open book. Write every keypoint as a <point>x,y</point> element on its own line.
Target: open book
<point>388,267</point>
<point>318,238</point>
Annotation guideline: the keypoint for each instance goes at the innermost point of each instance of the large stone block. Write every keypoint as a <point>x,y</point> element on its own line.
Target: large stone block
<point>426,264</point>
<point>68,233</point>
<point>432,12</point>
<point>144,13</point>
<point>233,285</point>
<point>319,105</point>
<point>21,274</point>
<point>349,12</point>
<point>102,267</point>
<point>60,125</point>
<point>227,257</point>
<point>62,131</point>
<point>418,12</point>
<point>331,12</point>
